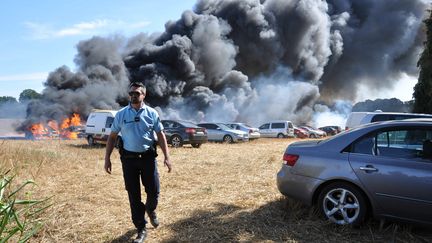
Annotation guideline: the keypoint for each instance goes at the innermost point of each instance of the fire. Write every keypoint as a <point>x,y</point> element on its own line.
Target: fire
<point>69,128</point>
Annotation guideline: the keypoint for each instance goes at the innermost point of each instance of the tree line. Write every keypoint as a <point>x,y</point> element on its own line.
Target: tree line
<point>25,95</point>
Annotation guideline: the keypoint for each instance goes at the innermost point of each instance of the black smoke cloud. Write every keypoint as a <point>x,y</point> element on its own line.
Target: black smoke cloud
<point>245,60</point>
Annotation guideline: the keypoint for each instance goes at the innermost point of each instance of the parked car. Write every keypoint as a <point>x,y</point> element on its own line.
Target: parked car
<point>313,132</point>
<point>383,169</point>
<point>98,126</point>
<point>356,119</point>
<point>337,128</point>
<point>219,132</point>
<point>329,130</point>
<point>300,132</point>
<point>183,132</point>
<point>253,131</point>
<point>277,129</point>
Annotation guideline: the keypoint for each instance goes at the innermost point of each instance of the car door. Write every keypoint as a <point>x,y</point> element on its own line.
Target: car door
<point>212,132</point>
<point>393,171</point>
<point>168,128</point>
<point>277,128</point>
<point>219,133</point>
<point>265,130</point>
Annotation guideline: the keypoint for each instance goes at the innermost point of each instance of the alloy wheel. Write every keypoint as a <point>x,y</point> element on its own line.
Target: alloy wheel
<point>341,206</point>
<point>176,141</point>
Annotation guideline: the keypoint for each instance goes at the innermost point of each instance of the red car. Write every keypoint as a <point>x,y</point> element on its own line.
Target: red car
<point>300,132</point>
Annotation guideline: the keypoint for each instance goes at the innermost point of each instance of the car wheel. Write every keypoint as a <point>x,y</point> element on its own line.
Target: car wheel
<point>312,135</point>
<point>280,135</point>
<point>227,139</point>
<point>176,141</point>
<point>90,141</point>
<point>343,204</point>
<point>196,145</point>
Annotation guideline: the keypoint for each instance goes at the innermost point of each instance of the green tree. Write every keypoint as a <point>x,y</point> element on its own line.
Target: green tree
<point>7,99</point>
<point>423,89</point>
<point>29,94</point>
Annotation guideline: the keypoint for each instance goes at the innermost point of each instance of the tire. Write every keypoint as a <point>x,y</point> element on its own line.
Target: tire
<point>176,141</point>
<point>91,141</point>
<point>313,135</point>
<point>280,135</point>
<point>196,145</point>
<point>338,199</point>
<point>227,139</point>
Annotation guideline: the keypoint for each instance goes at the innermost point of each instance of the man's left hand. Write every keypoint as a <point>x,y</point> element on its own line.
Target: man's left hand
<point>168,164</point>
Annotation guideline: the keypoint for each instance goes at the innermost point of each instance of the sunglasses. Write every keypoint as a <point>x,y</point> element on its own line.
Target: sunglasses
<point>134,93</point>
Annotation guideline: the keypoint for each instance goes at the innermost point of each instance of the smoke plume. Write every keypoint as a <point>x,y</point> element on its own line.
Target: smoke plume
<point>245,60</point>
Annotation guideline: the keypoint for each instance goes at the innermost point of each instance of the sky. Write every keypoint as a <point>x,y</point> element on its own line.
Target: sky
<point>37,37</point>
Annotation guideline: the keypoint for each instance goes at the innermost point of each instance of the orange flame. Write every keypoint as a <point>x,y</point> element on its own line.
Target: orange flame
<point>67,129</point>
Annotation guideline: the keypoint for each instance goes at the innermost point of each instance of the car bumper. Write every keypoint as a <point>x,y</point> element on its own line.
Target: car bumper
<point>296,186</point>
<point>197,139</point>
<point>240,139</point>
<point>254,136</point>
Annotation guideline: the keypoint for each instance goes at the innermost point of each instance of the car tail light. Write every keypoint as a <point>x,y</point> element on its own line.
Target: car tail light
<point>290,159</point>
<point>190,130</point>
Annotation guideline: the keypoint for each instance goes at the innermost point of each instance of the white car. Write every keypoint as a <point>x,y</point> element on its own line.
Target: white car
<point>277,129</point>
<point>253,132</point>
<point>98,126</point>
<point>356,119</point>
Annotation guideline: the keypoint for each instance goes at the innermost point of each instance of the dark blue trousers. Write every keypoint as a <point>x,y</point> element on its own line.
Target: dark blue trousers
<point>144,169</point>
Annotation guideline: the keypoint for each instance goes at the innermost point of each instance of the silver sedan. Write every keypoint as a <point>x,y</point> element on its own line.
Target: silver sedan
<point>380,169</point>
<point>219,132</point>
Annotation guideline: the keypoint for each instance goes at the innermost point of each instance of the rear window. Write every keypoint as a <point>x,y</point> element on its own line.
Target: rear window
<point>278,125</point>
<point>209,126</point>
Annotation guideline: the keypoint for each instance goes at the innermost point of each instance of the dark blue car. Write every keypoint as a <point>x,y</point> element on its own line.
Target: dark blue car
<point>184,132</point>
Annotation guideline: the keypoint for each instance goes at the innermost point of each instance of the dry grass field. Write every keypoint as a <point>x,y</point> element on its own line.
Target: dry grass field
<point>217,193</point>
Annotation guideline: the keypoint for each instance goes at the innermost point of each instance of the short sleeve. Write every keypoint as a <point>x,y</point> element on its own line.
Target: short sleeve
<point>115,127</point>
<point>158,124</point>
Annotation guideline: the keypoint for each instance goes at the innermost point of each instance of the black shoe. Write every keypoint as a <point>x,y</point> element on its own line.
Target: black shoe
<point>142,234</point>
<point>153,218</point>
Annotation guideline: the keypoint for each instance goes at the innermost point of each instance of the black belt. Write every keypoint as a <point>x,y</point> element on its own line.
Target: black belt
<point>136,155</point>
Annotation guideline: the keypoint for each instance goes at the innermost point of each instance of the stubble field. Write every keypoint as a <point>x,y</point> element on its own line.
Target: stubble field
<point>217,193</point>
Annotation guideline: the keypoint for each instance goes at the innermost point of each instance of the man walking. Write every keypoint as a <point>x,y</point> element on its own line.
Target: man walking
<point>138,123</point>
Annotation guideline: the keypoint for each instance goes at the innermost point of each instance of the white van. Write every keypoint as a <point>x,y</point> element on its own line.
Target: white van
<point>356,119</point>
<point>98,126</point>
<point>277,129</point>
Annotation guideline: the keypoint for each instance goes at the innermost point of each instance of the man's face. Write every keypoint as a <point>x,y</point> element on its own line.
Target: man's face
<point>136,95</point>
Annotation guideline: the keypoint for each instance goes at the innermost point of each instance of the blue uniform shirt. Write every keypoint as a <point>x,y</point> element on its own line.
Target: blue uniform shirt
<point>137,127</point>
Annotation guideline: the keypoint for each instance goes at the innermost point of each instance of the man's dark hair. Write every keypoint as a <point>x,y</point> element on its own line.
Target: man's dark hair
<point>138,85</point>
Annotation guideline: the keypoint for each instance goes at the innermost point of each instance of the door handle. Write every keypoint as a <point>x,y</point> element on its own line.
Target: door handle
<point>368,168</point>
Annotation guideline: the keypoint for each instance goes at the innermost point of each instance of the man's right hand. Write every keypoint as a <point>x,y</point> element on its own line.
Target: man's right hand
<point>107,165</point>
